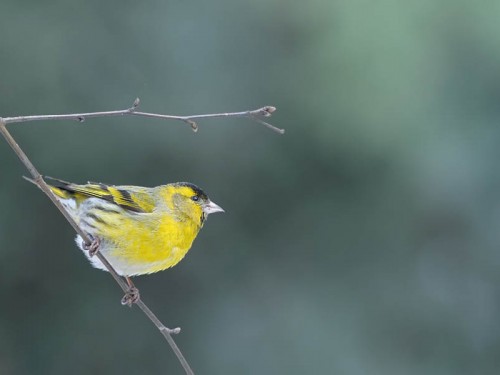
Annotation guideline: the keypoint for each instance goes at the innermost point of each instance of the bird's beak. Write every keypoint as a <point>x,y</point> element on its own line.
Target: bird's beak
<point>211,207</point>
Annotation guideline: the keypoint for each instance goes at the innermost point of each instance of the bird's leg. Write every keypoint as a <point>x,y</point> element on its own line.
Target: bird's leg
<point>93,247</point>
<point>132,295</point>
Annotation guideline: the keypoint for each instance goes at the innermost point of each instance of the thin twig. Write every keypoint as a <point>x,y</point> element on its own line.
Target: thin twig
<point>266,111</point>
<point>40,182</point>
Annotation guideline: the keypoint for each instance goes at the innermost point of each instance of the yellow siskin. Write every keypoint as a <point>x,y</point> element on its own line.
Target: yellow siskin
<point>139,230</point>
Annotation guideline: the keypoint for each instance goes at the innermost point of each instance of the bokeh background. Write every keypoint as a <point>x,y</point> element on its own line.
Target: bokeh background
<point>363,241</point>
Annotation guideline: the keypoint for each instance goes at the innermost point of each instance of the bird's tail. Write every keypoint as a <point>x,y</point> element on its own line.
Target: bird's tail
<point>58,187</point>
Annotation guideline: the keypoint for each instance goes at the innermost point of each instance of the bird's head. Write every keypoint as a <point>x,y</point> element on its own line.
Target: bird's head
<point>189,201</point>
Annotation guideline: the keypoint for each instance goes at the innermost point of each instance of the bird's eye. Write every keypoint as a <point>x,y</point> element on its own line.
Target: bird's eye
<point>195,198</point>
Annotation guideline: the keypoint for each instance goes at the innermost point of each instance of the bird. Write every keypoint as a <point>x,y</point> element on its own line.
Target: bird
<point>139,230</point>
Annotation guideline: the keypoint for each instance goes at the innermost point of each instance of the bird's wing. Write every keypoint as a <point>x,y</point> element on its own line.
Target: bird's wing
<point>131,198</point>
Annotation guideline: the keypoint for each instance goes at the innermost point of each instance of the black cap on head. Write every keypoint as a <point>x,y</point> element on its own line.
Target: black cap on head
<point>200,193</point>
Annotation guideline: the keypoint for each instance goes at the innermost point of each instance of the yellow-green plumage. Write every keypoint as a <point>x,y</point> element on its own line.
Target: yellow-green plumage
<point>141,230</point>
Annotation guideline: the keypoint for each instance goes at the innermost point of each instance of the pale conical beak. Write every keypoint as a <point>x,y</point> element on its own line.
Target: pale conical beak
<point>211,207</point>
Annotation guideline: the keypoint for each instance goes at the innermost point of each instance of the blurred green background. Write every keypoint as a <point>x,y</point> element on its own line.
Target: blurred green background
<point>363,241</point>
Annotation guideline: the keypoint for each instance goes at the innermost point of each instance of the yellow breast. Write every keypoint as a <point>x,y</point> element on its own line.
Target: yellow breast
<point>147,246</point>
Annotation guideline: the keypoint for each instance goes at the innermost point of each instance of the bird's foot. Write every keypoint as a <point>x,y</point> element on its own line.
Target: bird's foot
<point>132,295</point>
<point>93,247</point>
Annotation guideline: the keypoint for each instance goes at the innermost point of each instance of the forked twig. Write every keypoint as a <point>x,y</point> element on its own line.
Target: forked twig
<point>40,182</point>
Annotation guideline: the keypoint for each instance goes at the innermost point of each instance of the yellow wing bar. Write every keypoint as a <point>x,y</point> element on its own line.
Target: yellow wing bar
<point>122,196</point>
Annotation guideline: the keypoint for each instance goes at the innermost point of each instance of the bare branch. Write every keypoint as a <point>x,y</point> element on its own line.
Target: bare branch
<point>132,111</point>
<point>40,182</point>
